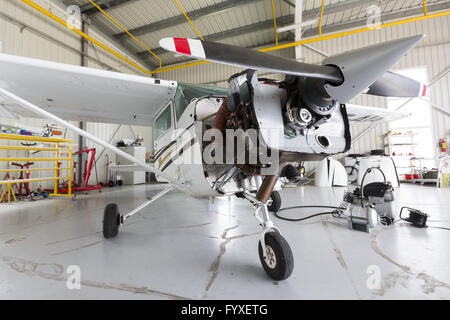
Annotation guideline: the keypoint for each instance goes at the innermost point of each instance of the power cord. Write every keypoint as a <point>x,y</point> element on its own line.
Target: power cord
<point>416,217</point>
<point>443,228</point>
<point>336,213</point>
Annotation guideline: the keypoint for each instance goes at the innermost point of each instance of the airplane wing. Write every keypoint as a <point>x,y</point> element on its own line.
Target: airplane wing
<point>357,113</point>
<point>81,94</point>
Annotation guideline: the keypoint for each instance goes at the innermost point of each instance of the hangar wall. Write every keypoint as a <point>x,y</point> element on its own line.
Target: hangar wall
<point>26,32</point>
<point>23,31</point>
<point>430,53</point>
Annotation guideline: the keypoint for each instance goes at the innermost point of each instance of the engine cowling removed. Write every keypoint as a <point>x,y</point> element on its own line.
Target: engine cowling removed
<point>293,117</point>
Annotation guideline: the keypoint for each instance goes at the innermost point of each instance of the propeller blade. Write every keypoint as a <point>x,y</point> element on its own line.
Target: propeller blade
<point>395,85</point>
<point>249,59</point>
<point>363,67</point>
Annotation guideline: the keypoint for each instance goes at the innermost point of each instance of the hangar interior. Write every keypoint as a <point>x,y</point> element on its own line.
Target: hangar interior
<point>184,247</point>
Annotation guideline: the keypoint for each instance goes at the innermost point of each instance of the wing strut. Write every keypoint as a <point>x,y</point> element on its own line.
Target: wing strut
<point>24,103</point>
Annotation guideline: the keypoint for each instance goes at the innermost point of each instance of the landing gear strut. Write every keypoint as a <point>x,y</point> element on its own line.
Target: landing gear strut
<point>274,251</point>
<point>112,219</point>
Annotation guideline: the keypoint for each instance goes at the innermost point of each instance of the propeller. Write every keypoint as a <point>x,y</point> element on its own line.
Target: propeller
<point>391,84</point>
<point>342,77</point>
<point>248,58</point>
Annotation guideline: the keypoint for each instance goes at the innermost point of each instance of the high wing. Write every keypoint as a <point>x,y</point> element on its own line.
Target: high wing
<point>357,113</point>
<point>81,94</point>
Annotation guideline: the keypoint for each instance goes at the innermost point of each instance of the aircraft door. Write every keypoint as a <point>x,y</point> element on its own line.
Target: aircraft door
<point>165,141</point>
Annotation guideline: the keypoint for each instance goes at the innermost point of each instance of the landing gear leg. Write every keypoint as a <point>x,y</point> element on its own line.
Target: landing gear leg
<point>112,219</point>
<point>274,251</point>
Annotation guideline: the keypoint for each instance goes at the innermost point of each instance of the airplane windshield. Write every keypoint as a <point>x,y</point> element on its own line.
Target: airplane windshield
<point>186,92</point>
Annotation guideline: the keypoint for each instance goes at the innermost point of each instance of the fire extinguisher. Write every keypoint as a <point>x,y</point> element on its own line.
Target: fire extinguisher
<point>443,145</point>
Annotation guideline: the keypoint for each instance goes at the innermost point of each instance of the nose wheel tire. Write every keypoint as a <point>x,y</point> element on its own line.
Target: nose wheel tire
<point>279,261</point>
<point>111,221</point>
<point>276,201</point>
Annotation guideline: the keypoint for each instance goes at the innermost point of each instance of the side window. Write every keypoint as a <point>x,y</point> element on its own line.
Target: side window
<point>180,103</point>
<point>163,122</point>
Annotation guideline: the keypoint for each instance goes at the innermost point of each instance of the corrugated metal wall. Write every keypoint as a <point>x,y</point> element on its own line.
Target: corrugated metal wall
<point>432,52</point>
<point>24,42</point>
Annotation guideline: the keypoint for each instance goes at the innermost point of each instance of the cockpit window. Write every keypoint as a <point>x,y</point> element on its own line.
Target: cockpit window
<point>186,92</point>
<point>163,122</point>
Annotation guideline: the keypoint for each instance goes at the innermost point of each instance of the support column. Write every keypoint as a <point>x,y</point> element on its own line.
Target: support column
<point>298,30</point>
<point>82,124</point>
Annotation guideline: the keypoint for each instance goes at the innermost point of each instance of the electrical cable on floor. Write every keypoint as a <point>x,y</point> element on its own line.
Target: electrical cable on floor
<point>443,228</point>
<point>432,227</point>
<point>336,213</point>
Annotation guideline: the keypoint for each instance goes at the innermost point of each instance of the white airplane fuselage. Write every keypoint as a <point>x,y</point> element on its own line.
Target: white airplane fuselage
<point>179,150</point>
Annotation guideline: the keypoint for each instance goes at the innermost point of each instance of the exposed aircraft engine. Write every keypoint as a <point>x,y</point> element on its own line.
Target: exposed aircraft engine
<point>290,116</point>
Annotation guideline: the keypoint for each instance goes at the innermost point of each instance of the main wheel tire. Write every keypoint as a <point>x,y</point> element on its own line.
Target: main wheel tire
<point>352,173</point>
<point>276,201</point>
<point>111,221</point>
<point>386,221</point>
<point>279,263</point>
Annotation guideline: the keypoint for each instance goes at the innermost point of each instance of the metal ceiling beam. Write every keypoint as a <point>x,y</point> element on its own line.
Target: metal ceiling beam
<point>226,5</point>
<point>90,9</point>
<point>123,46</point>
<point>180,19</point>
<point>260,26</point>
<point>390,16</point>
<point>264,25</point>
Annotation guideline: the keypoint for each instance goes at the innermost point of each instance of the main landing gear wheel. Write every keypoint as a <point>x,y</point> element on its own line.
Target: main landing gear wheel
<point>111,221</point>
<point>352,174</point>
<point>279,261</point>
<point>386,221</point>
<point>276,201</point>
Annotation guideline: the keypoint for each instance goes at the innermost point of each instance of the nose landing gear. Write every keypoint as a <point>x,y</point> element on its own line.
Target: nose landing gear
<point>277,261</point>
<point>274,251</point>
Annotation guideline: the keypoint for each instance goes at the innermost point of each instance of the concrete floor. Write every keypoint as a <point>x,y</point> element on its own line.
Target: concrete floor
<point>182,247</point>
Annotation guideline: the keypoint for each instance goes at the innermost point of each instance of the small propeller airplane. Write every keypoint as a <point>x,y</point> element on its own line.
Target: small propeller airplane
<point>303,118</point>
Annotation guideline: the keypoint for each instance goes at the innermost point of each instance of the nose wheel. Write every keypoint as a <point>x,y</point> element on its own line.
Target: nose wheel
<point>274,251</point>
<point>277,260</point>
